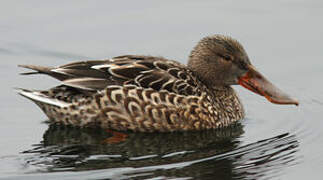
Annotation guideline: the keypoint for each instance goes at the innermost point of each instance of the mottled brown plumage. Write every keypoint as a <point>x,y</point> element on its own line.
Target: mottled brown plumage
<point>145,93</point>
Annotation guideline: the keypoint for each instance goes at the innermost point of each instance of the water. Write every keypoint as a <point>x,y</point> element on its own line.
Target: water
<point>283,40</point>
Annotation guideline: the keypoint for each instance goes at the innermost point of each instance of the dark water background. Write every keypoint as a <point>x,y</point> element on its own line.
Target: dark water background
<point>283,39</point>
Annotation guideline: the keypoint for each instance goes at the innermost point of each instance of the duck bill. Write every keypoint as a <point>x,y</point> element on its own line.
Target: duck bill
<point>257,83</point>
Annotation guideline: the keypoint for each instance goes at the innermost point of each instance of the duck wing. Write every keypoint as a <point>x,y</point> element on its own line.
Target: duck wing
<point>143,71</point>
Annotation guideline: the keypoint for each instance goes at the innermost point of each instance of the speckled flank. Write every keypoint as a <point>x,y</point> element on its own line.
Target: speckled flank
<point>130,107</point>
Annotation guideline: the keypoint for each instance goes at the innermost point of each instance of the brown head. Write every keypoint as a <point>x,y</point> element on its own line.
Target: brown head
<point>222,61</point>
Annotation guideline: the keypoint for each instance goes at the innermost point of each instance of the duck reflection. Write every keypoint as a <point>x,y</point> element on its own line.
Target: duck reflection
<point>215,153</point>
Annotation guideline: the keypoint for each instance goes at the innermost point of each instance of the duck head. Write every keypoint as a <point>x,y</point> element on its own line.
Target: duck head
<point>221,61</point>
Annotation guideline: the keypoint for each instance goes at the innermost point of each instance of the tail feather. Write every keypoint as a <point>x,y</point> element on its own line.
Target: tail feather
<point>44,70</point>
<point>41,98</point>
<point>38,69</point>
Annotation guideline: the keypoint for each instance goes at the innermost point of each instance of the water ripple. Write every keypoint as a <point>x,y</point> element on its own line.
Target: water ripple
<point>169,155</point>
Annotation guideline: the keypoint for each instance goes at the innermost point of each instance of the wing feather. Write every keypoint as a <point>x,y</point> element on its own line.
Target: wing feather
<point>144,71</point>
<point>87,83</point>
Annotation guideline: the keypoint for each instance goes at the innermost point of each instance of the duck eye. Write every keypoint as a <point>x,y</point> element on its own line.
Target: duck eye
<point>226,57</point>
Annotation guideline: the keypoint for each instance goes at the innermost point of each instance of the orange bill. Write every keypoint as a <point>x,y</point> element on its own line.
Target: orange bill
<point>257,83</point>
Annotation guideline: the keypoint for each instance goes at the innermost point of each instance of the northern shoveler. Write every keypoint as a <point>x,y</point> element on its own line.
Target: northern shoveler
<point>146,93</point>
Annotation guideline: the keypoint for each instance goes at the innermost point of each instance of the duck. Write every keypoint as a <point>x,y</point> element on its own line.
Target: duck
<point>154,94</point>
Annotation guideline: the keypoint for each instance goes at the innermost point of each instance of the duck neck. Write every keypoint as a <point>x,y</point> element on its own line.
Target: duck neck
<point>228,104</point>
